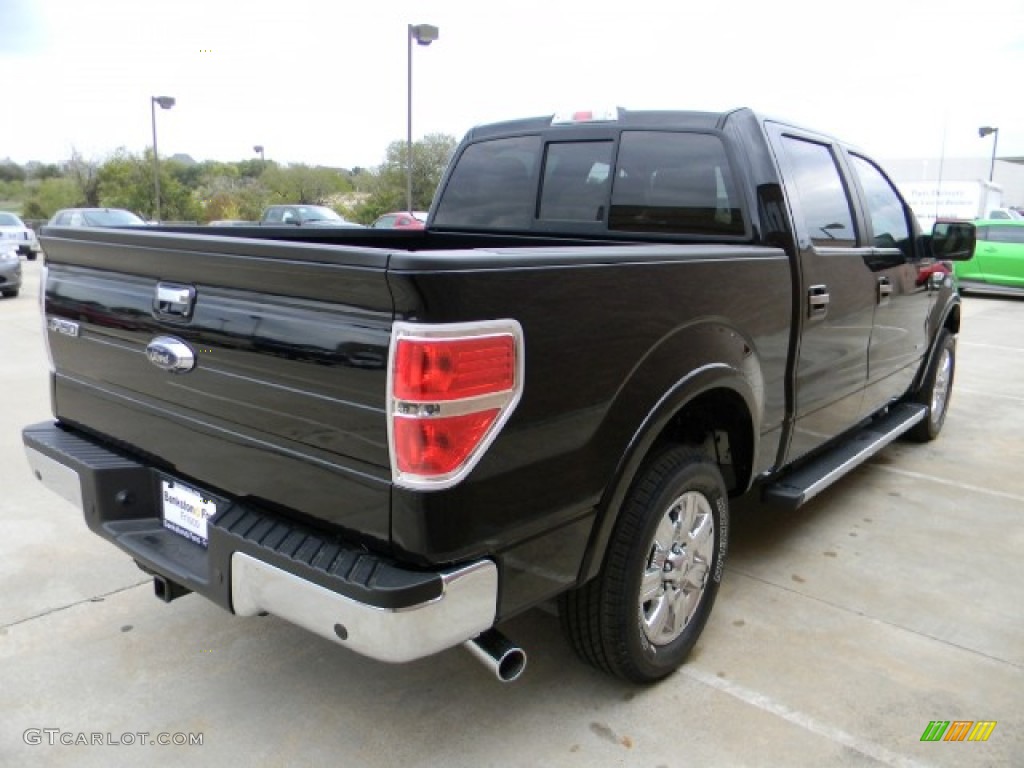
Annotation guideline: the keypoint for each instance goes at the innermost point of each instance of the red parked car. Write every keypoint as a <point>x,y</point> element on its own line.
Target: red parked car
<point>401,220</point>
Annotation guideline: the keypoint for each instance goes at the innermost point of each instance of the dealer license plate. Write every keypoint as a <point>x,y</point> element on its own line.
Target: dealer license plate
<point>186,510</point>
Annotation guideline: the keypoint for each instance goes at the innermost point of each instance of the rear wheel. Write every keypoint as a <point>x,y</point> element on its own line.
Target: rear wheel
<point>642,615</point>
<point>936,389</point>
<point>10,294</point>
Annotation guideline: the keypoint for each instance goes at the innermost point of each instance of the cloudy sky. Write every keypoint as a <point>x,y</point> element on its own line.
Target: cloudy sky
<point>324,81</point>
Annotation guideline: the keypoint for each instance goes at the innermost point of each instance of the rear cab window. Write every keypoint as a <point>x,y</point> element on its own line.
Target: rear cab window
<point>633,181</point>
<point>674,183</point>
<point>493,186</point>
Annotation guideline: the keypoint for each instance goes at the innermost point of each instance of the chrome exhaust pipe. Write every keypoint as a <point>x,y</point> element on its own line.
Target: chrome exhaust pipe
<point>496,652</point>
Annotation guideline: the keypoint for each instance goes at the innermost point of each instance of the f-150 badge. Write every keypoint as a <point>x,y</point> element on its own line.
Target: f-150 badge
<point>171,354</point>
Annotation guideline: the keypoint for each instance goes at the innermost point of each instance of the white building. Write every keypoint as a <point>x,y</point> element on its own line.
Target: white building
<point>957,187</point>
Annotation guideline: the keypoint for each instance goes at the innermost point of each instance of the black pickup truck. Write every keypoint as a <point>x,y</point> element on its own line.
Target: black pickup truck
<point>613,324</point>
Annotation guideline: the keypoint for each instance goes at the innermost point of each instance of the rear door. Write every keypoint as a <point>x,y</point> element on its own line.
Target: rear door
<point>1001,254</point>
<point>838,288</point>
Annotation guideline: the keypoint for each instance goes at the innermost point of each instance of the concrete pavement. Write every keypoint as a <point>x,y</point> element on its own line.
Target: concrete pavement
<point>894,599</point>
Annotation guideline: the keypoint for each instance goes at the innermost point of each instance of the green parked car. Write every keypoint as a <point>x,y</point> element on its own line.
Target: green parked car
<point>998,263</point>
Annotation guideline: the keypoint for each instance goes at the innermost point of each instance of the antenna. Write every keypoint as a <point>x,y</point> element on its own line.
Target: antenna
<point>942,162</point>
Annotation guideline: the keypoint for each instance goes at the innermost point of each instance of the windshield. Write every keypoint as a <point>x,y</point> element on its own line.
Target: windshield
<point>10,220</point>
<point>111,218</point>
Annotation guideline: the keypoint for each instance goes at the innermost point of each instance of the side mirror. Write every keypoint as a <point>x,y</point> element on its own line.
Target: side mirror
<point>953,240</point>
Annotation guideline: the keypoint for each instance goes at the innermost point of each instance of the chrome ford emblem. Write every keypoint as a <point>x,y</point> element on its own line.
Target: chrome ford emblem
<point>170,354</point>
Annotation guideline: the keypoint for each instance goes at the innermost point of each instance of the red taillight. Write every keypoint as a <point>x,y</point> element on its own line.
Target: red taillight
<point>454,369</point>
<point>452,388</point>
<point>438,446</point>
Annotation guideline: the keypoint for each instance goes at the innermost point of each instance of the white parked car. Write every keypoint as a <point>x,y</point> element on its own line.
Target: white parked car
<point>13,230</point>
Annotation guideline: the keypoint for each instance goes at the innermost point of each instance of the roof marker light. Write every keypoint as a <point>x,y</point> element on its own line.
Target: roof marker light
<point>574,117</point>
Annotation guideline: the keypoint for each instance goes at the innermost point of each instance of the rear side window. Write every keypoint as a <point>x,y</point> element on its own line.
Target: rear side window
<point>823,198</point>
<point>492,186</point>
<point>1002,234</point>
<point>678,183</point>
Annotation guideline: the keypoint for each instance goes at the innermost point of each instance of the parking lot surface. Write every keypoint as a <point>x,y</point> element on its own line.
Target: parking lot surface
<point>842,630</point>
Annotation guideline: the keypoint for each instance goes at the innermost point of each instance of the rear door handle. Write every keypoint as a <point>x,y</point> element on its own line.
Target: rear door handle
<point>884,290</point>
<point>817,302</point>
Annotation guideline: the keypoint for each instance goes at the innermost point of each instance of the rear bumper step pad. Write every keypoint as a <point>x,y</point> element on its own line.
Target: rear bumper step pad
<point>258,562</point>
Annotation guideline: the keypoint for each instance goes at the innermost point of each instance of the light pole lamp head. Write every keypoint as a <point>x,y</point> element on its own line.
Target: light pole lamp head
<point>165,102</point>
<point>258,149</point>
<point>424,34</point>
<point>985,130</point>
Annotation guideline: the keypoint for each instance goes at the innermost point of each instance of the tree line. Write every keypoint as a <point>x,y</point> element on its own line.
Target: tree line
<point>212,190</point>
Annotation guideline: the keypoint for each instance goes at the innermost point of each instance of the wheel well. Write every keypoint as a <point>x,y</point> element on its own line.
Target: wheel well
<point>718,423</point>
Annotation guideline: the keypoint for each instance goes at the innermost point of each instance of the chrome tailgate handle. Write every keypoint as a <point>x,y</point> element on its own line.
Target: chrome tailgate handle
<point>174,300</point>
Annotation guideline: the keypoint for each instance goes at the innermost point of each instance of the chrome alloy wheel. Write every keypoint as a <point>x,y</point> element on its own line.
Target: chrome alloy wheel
<point>678,567</point>
<point>940,390</point>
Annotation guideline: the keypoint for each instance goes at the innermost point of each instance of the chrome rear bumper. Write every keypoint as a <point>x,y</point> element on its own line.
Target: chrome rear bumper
<point>465,608</point>
<point>256,562</point>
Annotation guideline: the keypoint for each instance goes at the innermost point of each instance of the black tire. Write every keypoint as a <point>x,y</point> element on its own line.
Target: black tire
<point>677,493</point>
<point>31,257</point>
<point>10,294</point>
<point>936,389</point>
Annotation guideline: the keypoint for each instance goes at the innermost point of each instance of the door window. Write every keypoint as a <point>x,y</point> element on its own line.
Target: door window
<point>885,209</point>
<point>823,197</point>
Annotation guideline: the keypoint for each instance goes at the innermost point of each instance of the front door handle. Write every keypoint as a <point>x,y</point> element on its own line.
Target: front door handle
<point>817,302</point>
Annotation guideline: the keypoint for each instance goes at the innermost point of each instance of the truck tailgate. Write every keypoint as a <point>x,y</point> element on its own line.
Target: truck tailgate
<point>284,404</point>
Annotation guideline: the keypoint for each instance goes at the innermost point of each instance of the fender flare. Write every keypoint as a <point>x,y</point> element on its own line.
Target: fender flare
<point>949,318</point>
<point>708,378</point>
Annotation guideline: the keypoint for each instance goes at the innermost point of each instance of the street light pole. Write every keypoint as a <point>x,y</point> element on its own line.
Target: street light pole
<point>984,131</point>
<point>423,34</point>
<point>165,102</point>
<point>259,150</point>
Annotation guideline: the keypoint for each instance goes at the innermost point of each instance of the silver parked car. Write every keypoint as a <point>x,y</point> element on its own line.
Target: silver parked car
<point>10,269</point>
<point>13,230</point>
<point>95,217</point>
